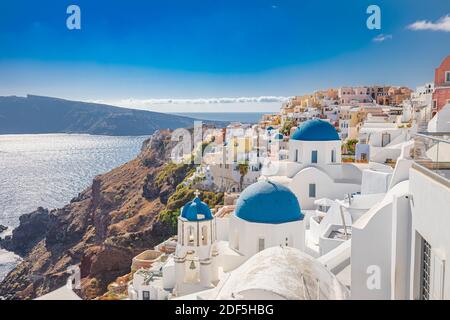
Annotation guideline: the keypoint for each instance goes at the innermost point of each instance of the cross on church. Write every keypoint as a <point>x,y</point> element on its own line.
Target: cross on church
<point>197,193</point>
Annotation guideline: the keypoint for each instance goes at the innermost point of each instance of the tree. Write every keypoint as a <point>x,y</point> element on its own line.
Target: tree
<point>286,129</point>
<point>350,145</point>
<point>243,170</point>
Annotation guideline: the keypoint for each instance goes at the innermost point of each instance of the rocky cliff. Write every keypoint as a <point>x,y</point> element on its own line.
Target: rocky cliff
<point>100,230</point>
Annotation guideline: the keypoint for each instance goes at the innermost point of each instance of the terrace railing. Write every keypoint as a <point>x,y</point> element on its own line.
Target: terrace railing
<point>432,152</point>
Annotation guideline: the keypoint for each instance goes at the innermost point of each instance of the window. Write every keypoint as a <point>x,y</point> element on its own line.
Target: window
<point>333,156</point>
<point>314,156</point>
<point>312,190</point>
<point>447,76</point>
<point>145,295</point>
<point>296,155</point>
<point>261,244</point>
<point>426,268</point>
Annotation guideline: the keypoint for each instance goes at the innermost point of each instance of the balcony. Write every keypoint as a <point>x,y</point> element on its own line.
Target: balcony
<point>431,154</point>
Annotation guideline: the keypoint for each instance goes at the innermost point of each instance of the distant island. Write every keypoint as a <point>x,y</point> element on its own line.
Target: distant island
<point>38,114</point>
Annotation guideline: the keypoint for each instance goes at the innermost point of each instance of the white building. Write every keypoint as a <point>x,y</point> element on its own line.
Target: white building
<point>267,224</point>
<point>384,139</point>
<point>315,169</point>
<point>441,120</point>
<point>195,256</point>
<point>386,241</point>
<point>398,248</point>
<point>423,95</point>
<point>400,240</point>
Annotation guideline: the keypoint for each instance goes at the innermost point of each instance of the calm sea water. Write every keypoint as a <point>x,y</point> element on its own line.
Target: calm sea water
<point>48,170</point>
<point>244,117</point>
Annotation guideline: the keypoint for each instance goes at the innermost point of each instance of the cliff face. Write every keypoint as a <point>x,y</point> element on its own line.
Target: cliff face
<point>100,230</point>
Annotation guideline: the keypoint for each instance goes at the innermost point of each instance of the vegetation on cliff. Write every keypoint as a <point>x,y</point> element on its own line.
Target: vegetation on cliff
<point>125,211</point>
<point>183,192</point>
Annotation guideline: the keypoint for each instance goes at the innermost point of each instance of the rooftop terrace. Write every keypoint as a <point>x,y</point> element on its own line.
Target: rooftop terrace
<point>431,154</point>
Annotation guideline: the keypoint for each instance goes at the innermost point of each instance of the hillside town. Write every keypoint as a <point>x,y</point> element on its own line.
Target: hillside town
<point>342,194</point>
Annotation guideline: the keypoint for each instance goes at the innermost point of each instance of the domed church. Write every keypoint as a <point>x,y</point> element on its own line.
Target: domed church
<point>314,169</point>
<point>315,142</point>
<point>267,214</point>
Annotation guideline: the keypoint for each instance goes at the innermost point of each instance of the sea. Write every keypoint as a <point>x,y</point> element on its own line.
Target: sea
<point>48,170</point>
<point>244,117</point>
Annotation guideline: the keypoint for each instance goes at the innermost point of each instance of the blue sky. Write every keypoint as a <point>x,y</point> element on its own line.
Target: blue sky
<point>133,52</point>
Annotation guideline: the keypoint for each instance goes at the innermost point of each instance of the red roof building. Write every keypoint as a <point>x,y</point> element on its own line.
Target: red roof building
<point>441,94</point>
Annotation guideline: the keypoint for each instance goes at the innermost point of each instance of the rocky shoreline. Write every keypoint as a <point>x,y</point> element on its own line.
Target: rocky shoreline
<point>100,230</point>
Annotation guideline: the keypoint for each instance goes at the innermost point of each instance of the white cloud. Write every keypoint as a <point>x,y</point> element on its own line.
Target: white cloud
<point>442,24</point>
<point>139,103</point>
<point>225,104</point>
<point>382,37</point>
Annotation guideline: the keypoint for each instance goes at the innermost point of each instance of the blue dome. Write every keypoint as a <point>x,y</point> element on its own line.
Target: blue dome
<point>269,128</point>
<point>196,210</point>
<point>268,202</point>
<point>315,130</point>
<point>278,136</point>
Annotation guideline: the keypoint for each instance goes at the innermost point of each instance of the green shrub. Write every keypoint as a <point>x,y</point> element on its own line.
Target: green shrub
<point>173,173</point>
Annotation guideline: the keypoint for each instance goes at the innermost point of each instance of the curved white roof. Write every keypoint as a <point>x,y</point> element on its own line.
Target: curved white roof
<point>284,273</point>
<point>399,189</point>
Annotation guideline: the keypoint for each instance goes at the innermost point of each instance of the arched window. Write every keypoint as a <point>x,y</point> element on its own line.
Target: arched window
<point>205,235</point>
